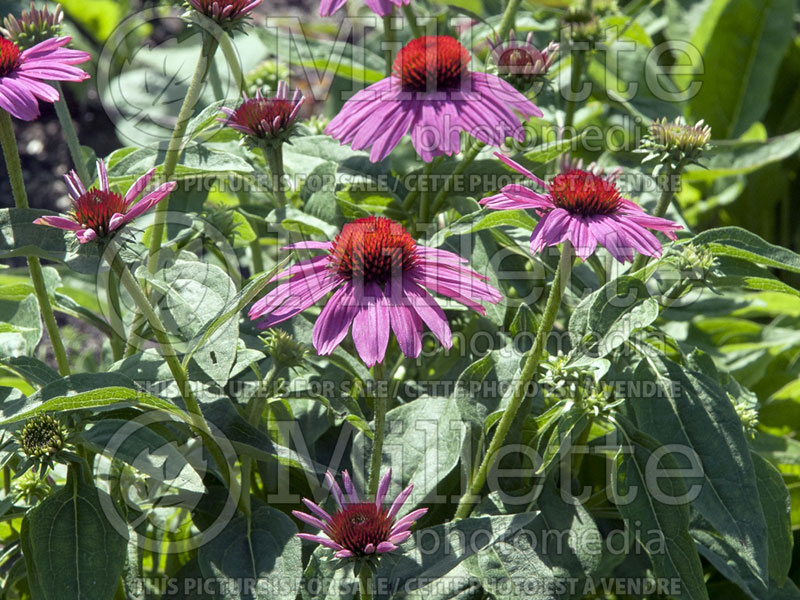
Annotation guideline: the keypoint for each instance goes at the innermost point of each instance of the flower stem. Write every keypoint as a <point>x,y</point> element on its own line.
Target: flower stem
<point>469,156</point>
<point>521,389</point>
<point>232,59</point>
<point>412,21</point>
<point>509,18</point>
<point>425,205</point>
<point>578,59</point>
<point>389,40</point>
<point>14,167</point>
<point>68,127</point>
<point>253,413</point>
<point>133,287</point>
<point>365,583</point>
<point>661,209</point>
<point>381,401</point>
<point>274,155</point>
<point>176,141</point>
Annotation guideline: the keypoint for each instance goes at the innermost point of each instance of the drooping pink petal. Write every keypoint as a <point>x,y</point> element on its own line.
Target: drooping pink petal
<point>371,326</point>
<point>335,319</point>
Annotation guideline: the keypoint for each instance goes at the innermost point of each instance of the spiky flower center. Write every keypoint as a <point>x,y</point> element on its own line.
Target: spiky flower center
<point>373,250</point>
<point>42,437</point>
<point>431,63</point>
<point>358,525</point>
<point>9,56</point>
<point>265,117</point>
<point>583,193</point>
<point>95,208</point>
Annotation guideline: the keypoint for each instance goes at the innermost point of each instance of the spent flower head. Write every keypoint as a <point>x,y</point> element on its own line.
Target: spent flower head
<point>33,26</point>
<point>675,143</point>
<point>520,62</point>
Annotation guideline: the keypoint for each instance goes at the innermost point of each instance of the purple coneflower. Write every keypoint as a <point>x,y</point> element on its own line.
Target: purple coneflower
<point>23,74</point>
<point>98,211</point>
<point>383,8</point>
<point>379,276</point>
<point>359,529</point>
<point>432,95</point>
<point>225,11</point>
<point>263,118</point>
<point>585,209</point>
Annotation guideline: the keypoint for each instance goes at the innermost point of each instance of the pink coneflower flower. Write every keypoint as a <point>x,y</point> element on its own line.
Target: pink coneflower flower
<point>382,8</point>
<point>23,74</point>
<point>432,95</point>
<point>263,118</point>
<point>225,11</point>
<point>360,529</point>
<point>98,212</point>
<point>379,275</point>
<point>585,209</point>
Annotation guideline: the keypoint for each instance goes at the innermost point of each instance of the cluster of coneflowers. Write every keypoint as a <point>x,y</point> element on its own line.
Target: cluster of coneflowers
<point>374,277</point>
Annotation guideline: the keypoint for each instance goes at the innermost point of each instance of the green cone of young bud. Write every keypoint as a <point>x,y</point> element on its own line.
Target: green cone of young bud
<point>33,26</point>
<point>42,437</point>
<point>675,143</point>
<point>284,349</point>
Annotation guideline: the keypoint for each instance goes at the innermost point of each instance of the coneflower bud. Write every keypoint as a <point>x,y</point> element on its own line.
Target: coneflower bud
<point>284,349</point>
<point>32,27</point>
<point>42,438</point>
<point>581,25</point>
<point>521,63</point>
<point>675,143</point>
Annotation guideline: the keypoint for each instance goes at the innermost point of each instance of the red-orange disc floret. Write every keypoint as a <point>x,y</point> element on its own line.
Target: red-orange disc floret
<point>585,194</point>
<point>94,209</point>
<point>431,63</point>
<point>358,525</point>
<point>373,249</point>
<point>9,56</point>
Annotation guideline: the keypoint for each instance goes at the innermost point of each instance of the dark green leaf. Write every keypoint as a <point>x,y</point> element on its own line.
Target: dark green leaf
<point>72,549</point>
<point>263,554</point>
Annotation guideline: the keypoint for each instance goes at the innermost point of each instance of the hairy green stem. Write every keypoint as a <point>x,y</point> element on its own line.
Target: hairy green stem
<point>229,52</point>
<point>253,413</point>
<point>381,402</point>
<point>274,155</point>
<point>412,21</point>
<point>509,18</point>
<point>68,127</point>
<point>389,39</point>
<point>365,583</point>
<point>176,142</point>
<point>139,297</point>
<point>425,205</point>
<point>661,208</point>
<point>469,156</point>
<point>14,167</point>
<point>578,60</point>
<point>521,388</point>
